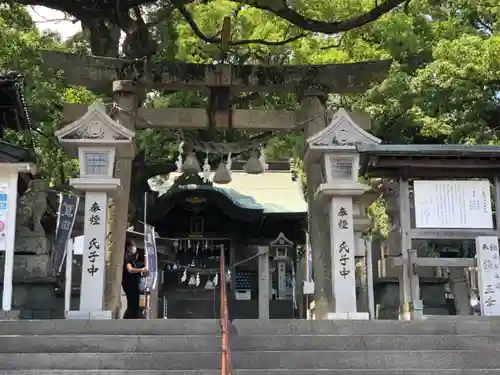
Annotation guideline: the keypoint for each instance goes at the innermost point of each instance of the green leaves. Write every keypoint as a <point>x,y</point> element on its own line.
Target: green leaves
<point>45,92</point>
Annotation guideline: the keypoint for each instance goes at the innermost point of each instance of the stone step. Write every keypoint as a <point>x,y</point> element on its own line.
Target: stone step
<point>205,343</point>
<point>478,326</point>
<point>340,360</point>
<point>253,372</point>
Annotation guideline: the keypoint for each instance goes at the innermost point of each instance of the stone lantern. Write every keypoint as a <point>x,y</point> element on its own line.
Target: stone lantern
<point>335,149</point>
<point>97,140</point>
<point>279,247</point>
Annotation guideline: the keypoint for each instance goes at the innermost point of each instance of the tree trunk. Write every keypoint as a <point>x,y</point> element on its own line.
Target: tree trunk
<point>104,40</point>
<point>127,100</point>
<point>319,230</point>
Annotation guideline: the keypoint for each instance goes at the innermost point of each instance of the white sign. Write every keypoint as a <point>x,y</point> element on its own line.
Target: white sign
<point>94,252</point>
<point>3,216</point>
<point>453,204</point>
<point>3,197</point>
<point>488,264</point>
<point>343,265</point>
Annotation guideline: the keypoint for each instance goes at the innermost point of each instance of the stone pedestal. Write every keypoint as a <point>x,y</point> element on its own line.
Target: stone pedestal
<point>433,297</point>
<point>33,286</point>
<point>387,300</point>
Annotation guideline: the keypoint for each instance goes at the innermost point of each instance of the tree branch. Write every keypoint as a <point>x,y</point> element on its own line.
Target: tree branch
<point>216,40</point>
<point>280,9</point>
<point>337,44</point>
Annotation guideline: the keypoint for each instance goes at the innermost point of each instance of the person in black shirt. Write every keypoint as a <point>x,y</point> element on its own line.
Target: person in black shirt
<point>130,281</point>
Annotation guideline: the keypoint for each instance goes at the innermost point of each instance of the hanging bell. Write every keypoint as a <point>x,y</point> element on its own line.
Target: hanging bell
<point>192,281</point>
<point>222,174</point>
<point>191,165</point>
<point>209,285</point>
<point>254,165</point>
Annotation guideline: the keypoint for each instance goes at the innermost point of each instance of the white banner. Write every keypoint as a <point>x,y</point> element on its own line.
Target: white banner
<point>343,261</point>
<point>94,251</point>
<point>488,264</point>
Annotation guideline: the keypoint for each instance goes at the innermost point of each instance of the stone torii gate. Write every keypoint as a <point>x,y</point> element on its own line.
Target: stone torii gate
<point>131,79</point>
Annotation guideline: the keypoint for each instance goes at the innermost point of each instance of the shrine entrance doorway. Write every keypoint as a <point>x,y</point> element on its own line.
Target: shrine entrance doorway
<point>195,221</point>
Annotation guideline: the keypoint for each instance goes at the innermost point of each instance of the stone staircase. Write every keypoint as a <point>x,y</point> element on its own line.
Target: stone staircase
<point>192,347</point>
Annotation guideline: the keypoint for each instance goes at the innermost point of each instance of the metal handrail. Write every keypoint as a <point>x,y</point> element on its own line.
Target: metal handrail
<point>226,366</point>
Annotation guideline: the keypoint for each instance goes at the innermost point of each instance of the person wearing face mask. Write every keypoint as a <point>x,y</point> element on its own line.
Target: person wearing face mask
<point>130,281</point>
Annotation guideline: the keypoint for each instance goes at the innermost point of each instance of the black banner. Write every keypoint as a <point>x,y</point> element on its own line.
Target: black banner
<point>68,206</point>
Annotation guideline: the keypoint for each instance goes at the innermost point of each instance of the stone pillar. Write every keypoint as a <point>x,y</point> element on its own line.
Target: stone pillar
<point>126,97</point>
<point>94,247</point>
<point>281,265</point>
<point>460,289</point>
<point>362,224</point>
<point>342,254</point>
<point>313,110</point>
<point>94,253</point>
<point>417,306</point>
<point>388,292</point>
<point>405,297</point>
<point>362,298</point>
<point>264,282</point>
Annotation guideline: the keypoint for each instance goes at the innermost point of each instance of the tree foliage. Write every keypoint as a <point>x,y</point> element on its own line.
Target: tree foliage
<point>443,86</point>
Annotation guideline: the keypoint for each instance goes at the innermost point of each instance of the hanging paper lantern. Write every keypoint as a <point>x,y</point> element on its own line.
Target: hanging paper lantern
<point>254,165</point>
<point>222,175</point>
<point>209,285</point>
<point>192,281</point>
<point>191,164</point>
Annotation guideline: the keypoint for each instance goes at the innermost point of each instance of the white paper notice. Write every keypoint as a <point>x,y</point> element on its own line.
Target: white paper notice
<point>488,264</point>
<point>453,204</point>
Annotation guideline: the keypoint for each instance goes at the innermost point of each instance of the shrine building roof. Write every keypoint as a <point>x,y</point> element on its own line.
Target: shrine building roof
<point>429,161</point>
<point>430,150</point>
<point>10,153</point>
<point>13,111</point>
<point>273,192</point>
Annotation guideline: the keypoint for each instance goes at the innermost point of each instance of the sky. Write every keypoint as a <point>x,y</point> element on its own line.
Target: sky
<point>49,19</point>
